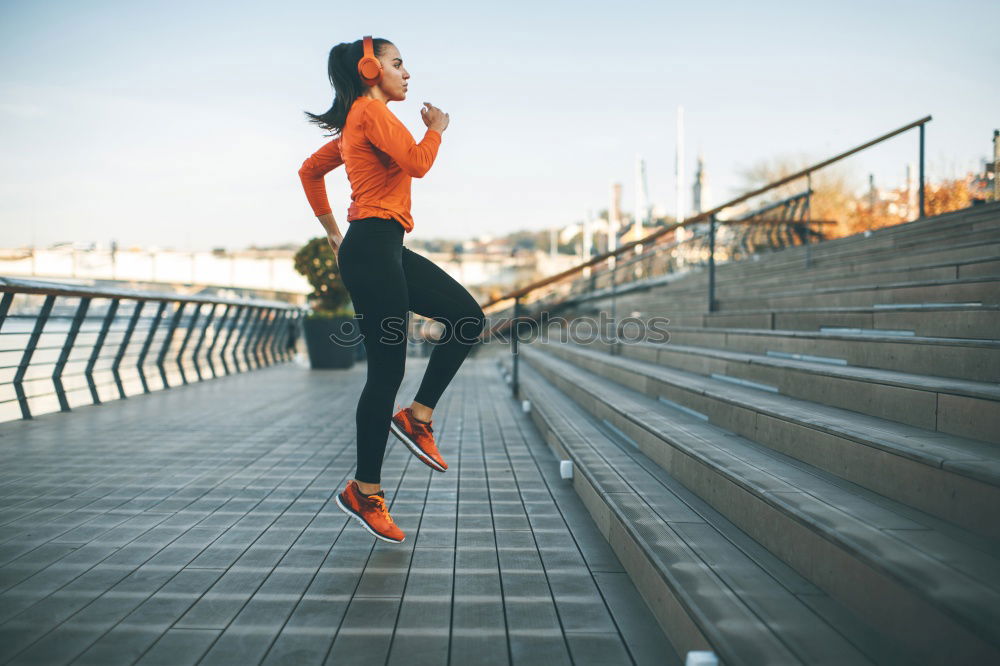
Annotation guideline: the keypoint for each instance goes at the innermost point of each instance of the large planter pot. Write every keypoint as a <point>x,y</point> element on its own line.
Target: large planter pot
<point>332,341</point>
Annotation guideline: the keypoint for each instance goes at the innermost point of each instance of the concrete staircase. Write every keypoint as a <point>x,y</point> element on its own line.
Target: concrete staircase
<point>897,279</point>
<point>811,474</point>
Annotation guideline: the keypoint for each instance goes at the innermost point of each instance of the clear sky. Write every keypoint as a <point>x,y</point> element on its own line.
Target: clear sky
<point>179,124</point>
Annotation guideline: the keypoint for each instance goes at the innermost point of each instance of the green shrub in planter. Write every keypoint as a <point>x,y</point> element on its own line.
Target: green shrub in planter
<point>331,333</point>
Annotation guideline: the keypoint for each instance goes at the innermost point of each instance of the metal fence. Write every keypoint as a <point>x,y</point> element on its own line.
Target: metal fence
<point>64,346</point>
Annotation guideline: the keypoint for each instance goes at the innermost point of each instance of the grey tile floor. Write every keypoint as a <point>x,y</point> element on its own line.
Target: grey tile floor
<point>197,525</point>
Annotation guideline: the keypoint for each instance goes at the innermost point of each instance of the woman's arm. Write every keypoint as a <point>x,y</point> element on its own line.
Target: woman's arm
<point>329,224</point>
<point>320,163</point>
<point>333,235</point>
<point>389,135</point>
<point>311,173</point>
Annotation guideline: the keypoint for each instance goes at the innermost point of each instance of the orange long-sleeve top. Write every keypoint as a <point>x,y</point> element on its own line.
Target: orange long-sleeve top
<point>380,156</point>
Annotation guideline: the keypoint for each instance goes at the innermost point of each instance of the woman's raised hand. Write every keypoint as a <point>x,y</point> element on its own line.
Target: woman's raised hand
<point>434,118</point>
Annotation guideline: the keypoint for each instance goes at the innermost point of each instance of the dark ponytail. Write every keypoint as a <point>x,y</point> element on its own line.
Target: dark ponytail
<point>342,68</point>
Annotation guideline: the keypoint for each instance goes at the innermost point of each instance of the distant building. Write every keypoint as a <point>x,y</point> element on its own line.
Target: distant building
<point>985,186</point>
<point>901,202</point>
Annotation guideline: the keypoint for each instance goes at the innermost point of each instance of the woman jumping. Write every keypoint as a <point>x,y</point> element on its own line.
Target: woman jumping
<point>385,279</point>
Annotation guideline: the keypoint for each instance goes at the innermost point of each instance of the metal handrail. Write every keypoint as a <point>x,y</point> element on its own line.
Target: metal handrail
<point>112,341</point>
<point>709,216</point>
<point>41,287</point>
<point>764,210</point>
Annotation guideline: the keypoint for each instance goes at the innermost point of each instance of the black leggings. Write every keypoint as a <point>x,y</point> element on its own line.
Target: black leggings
<point>387,280</point>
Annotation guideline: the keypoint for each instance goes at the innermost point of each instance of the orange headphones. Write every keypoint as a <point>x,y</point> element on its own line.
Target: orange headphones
<point>369,66</point>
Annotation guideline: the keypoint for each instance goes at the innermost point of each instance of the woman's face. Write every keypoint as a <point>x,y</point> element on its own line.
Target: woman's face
<point>394,75</point>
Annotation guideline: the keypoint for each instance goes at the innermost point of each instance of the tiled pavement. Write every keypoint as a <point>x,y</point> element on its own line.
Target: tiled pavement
<point>197,525</point>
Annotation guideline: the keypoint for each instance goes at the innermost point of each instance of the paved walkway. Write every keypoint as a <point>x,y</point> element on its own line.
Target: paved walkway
<point>197,525</point>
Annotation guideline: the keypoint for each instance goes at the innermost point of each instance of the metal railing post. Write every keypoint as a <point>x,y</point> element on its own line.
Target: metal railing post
<point>258,343</point>
<point>167,340</point>
<point>264,337</point>
<point>808,218</point>
<point>22,368</point>
<point>922,208</point>
<point>291,325</point>
<point>109,319</point>
<point>241,336</point>
<point>133,321</point>
<point>513,347</point>
<point>229,335</point>
<point>246,337</point>
<point>711,263</point>
<point>280,325</point>
<point>260,346</point>
<point>150,334</point>
<point>192,322</point>
<point>614,312</point>
<point>201,339</point>
<point>272,337</point>
<point>219,328</point>
<point>8,298</point>
<point>74,330</point>
<point>250,336</point>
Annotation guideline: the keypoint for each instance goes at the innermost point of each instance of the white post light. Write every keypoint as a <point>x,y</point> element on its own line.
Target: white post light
<point>566,469</point>
<point>641,196</point>
<point>701,658</point>
<point>679,164</point>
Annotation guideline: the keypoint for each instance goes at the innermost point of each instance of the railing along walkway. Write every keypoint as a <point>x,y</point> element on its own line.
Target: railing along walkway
<point>198,526</point>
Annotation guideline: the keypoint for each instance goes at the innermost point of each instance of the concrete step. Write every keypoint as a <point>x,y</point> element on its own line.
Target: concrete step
<point>942,234</point>
<point>975,360</point>
<point>845,261</point>
<point>944,320</point>
<point>980,268</point>
<point>984,290</point>
<point>693,281</point>
<point>952,220</point>
<point>709,585</point>
<point>941,220</point>
<point>985,265</point>
<point>830,252</point>
<point>692,287</point>
<point>855,256</point>
<point>957,253</point>
<point>979,290</point>
<point>941,227</point>
<point>973,260</point>
<point>952,477</point>
<point>925,586</point>
<point>960,407</point>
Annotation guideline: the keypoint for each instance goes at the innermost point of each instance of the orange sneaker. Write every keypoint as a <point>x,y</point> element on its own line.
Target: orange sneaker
<point>371,512</point>
<point>418,437</point>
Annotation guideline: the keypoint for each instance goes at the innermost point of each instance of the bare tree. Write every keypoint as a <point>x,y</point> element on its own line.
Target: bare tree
<point>833,188</point>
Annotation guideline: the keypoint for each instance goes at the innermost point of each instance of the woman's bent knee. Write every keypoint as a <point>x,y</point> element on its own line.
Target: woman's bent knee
<point>469,327</point>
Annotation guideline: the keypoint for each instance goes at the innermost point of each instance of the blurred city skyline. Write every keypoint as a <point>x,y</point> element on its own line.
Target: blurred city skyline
<point>181,125</point>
